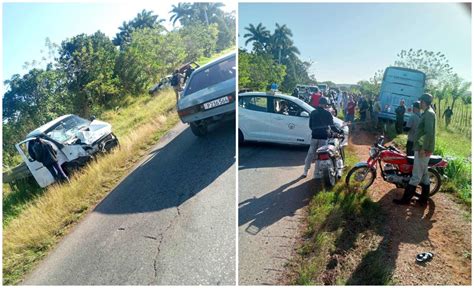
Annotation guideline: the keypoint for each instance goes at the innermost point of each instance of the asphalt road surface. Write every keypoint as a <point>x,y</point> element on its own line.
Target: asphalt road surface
<point>272,198</point>
<point>170,222</point>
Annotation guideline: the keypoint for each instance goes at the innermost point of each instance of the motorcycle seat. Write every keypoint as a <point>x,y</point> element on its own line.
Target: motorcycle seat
<point>434,159</point>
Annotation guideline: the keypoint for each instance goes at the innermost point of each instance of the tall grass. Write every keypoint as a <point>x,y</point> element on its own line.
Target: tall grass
<point>42,222</point>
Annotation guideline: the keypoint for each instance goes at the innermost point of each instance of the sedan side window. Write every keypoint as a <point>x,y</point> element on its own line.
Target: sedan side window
<point>286,107</point>
<point>256,103</point>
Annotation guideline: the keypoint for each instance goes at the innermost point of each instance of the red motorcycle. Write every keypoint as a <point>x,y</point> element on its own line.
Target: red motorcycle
<point>397,168</point>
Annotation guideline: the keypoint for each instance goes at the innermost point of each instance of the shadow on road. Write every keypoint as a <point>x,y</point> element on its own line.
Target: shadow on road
<point>270,155</point>
<point>275,205</point>
<point>175,172</point>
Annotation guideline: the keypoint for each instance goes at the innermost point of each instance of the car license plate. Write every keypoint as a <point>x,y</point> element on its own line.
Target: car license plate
<point>215,103</point>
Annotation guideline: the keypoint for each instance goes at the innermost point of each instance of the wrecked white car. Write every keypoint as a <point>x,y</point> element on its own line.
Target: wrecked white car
<point>75,139</point>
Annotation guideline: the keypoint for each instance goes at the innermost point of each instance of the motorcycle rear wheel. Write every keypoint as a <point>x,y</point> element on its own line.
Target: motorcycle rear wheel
<point>329,178</point>
<point>435,182</point>
<point>360,179</point>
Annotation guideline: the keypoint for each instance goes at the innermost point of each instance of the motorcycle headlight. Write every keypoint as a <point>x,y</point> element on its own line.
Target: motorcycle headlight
<point>372,152</point>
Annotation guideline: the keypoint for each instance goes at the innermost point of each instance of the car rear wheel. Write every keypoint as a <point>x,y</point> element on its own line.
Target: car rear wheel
<point>198,129</point>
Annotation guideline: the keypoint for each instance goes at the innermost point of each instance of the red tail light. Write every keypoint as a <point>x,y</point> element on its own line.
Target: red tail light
<point>323,156</point>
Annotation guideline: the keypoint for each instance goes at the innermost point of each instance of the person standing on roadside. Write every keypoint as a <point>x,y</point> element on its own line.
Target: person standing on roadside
<point>315,98</point>
<point>448,113</point>
<point>344,101</point>
<point>350,111</point>
<point>412,124</point>
<point>375,114</point>
<point>44,153</point>
<point>363,108</point>
<point>176,83</point>
<point>319,120</point>
<point>424,144</point>
<point>400,116</point>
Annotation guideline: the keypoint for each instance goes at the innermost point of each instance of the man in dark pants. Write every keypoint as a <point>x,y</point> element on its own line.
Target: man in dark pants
<point>424,145</point>
<point>400,114</point>
<point>44,153</point>
<point>319,120</point>
<point>412,124</point>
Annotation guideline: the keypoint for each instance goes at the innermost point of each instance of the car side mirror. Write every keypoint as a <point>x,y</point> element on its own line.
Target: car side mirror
<point>92,118</point>
<point>304,114</point>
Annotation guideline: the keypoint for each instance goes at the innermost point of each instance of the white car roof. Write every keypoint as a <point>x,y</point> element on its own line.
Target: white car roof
<point>46,126</point>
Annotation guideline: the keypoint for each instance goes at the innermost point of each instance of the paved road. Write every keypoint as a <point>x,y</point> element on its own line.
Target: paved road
<point>272,197</point>
<point>170,222</point>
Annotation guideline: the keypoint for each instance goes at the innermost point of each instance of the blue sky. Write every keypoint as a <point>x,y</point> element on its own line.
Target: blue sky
<point>350,42</point>
<point>26,25</point>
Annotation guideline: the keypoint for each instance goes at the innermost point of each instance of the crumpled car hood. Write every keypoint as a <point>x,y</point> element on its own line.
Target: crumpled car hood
<point>96,130</point>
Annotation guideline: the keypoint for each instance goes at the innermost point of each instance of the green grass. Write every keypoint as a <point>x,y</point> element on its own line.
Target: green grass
<point>203,60</point>
<point>336,220</point>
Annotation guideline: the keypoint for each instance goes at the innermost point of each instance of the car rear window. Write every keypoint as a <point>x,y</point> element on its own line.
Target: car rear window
<point>212,75</point>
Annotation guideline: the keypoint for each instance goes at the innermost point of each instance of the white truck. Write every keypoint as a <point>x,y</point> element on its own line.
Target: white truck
<point>75,139</point>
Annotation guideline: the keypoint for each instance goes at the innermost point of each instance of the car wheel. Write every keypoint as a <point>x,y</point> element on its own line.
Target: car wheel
<point>241,137</point>
<point>198,129</point>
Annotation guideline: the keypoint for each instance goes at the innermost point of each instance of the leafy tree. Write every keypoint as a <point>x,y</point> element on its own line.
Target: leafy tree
<point>257,71</point>
<point>149,57</point>
<point>144,19</point>
<point>199,39</point>
<point>88,62</point>
<point>434,65</point>
<point>226,36</point>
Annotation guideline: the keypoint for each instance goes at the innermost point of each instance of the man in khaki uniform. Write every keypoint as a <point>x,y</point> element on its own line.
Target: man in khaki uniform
<point>423,146</point>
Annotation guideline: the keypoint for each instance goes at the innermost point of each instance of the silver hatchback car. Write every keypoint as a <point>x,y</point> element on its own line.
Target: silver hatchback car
<point>209,95</point>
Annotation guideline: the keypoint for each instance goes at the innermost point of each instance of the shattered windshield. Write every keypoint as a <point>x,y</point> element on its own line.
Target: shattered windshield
<point>67,128</point>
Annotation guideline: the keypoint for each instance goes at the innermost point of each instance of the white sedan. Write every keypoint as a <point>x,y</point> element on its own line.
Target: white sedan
<point>278,118</point>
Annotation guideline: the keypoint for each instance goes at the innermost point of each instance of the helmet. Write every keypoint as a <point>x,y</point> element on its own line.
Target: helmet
<point>323,101</point>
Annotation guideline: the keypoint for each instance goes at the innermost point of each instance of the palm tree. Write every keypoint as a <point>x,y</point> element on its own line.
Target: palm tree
<point>182,12</point>
<point>459,89</point>
<point>259,35</point>
<point>281,43</point>
<point>144,19</point>
<point>441,92</point>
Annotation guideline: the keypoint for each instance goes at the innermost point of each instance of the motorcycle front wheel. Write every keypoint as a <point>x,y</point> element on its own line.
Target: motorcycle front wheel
<point>360,179</point>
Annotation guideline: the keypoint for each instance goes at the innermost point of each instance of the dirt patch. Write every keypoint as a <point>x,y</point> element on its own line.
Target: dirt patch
<point>441,228</point>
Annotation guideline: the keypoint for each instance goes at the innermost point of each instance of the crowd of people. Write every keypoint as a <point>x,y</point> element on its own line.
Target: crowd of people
<point>347,102</point>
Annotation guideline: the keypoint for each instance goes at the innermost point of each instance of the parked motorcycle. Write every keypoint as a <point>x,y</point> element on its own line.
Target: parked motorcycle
<point>330,159</point>
<point>397,168</point>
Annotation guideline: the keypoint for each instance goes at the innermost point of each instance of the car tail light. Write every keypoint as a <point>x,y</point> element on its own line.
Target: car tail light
<point>188,111</point>
<point>323,156</point>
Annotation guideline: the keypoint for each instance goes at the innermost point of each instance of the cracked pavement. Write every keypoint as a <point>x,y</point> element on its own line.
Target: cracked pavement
<point>171,221</point>
<point>272,201</point>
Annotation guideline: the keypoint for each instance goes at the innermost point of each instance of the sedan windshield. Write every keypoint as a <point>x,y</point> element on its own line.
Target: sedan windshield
<point>67,128</point>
